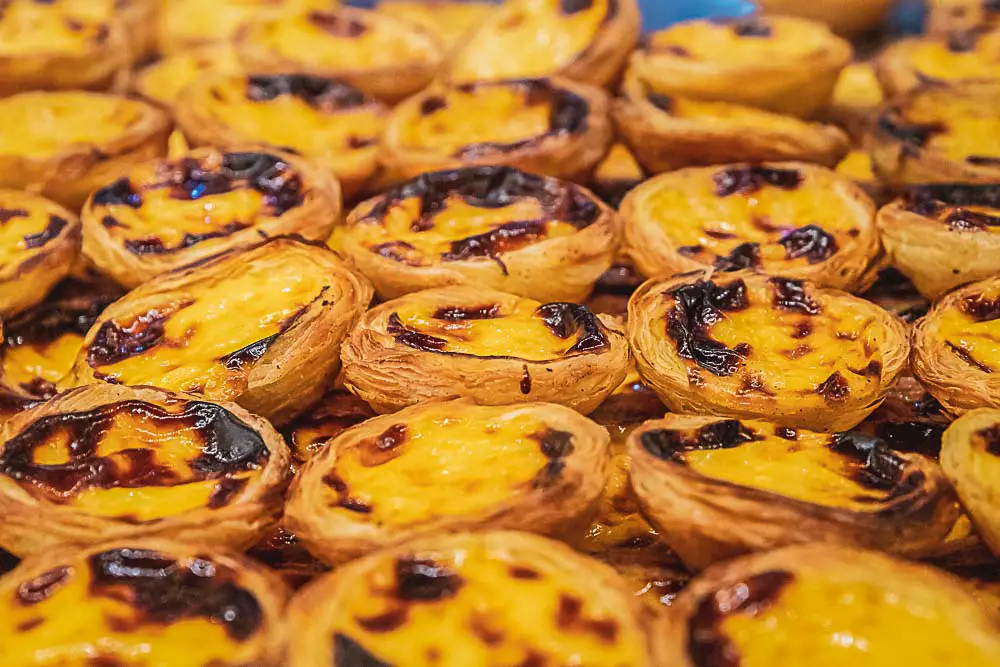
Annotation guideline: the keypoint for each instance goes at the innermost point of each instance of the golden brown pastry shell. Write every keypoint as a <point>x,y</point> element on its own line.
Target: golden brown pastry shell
<point>968,466</point>
<point>26,282</point>
<point>390,83</point>
<point>390,376</point>
<point>312,220</point>
<point>934,256</point>
<point>546,510</point>
<point>843,568</point>
<point>655,253</point>
<point>34,526</point>
<point>851,18</point>
<point>707,520</point>
<point>311,610</point>
<point>667,375</point>
<point>562,268</point>
<point>798,87</point>
<point>954,383</point>
<point>69,175</point>
<point>662,142</point>
<point>269,592</point>
<point>568,155</point>
<point>298,367</point>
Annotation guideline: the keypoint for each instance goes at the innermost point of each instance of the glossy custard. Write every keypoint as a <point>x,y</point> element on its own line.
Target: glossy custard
<point>475,213</point>
<point>949,58</point>
<point>29,28</point>
<point>970,329</point>
<point>517,328</point>
<point>413,470</point>
<point>474,601</point>
<point>164,80</point>
<point>530,39</point>
<point>206,337</point>
<point>473,120</point>
<point>738,43</point>
<point>136,606</point>
<point>135,460</point>
<point>27,225</point>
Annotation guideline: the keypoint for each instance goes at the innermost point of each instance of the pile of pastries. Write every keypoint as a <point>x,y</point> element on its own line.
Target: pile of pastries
<point>465,334</point>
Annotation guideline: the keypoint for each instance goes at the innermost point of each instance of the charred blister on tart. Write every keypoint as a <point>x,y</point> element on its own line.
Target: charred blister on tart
<point>448,466</point>
<point>259,327</point>
<point>60,45</point>
<point>955,353</point>
<point>386,57</point>
<point>495,226</point>
<point>943,235</point>
<point>148,602</point>
<point>948,16</point>
<point>584,40</point>
<point>176,211</point>
<point>827,606</point>
<point>547,126</point>
<point>493,598</point>
<point>782,64</point>
<point>312,430</point>
<point>856,100</point>
<point>970,456</point>
<point>493,347</point>
<point>325,120</point>
<point>183,24</point>
<point>955,58</point>
<point>39,243</point>
<point>748,345</point>
<point>668,132</point>
<point>717,488</point>
<point>41,344</point>
<point>163,80</point>
<point>65,145</point>
<point>112,462</point>
<point>450,20</point>
<point>786,219</point>
<point>939,134</point>
<point>615,175</point>
<point>850,18</point>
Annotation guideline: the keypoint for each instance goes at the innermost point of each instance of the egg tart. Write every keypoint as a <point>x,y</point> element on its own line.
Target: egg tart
<point>753,346</point>
<point>448,466</point>
<point>182,24</point>
<point>325,120</point>
<point>939,60</point>
<point>782,64</point>
<point>312,430</point>
<point>65,145</point>
<point>969,456</point>
<point>163,80</point>
<point>947,16</point>
<point>495,598</point>
<point>39,242</point>
<point>667,133</point>
<point>259,327</point>
<point>943,235</point>
<point>493,347</point>
<point>787,219</point>
<point>449,20</point>
<point>109,462</point>
<point>584,40</point>
<point>857,166</point>
<point>955,353</point>
<point>41,344</point>
<point>170,213</point>
<point>615,175</point>
<point>856,99</point>
<point>547,126</point>
<point>827,606</point>
<point>59,45</point>
<point>717,488</point>
<point>145,602</point>
<point>939,134</point>
<point>493,226</point>
<point>386,57</point>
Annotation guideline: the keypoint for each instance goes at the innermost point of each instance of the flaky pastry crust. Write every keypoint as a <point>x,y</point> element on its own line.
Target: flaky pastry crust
<point>499,227</point>
<point>493,347</point>
<point>938,60</point>
<point>969,455</point>
<point>751,346</point>
<point>394,477</point>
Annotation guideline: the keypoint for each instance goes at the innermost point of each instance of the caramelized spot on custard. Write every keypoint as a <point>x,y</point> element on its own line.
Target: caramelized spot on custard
<point>384,447</point>
<point>670,445</point>
<point>568,319</point>
<point>114,342</point>
<point>913,135</point>
<point>414,339</point>
<point>660,101</point>
<point>43,586</point>
<point>119,193</point>
<point>555,446</point>
<point>570,618</point>
<point>834,389</point>
<point>698,307</point>
<point>967,357</point>
<point>425,581</point>
<point>979,308</point>
<point>878,467</point>
<point>810,242</point>
<point>751,178</point>
<point>990,439</point>
<point>459,313</point>
<point>743,256</point>
<point>570,7</point>
<point>337,25</point>
<point>323,94</point>
<point>791,295</point>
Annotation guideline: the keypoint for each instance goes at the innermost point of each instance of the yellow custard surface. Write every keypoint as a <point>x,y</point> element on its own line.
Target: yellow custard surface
<point>721,42</point>
<point>204,323</point>
<point>959,126</point>
<point>498,594</point>
<point>972,340</point>
<point>164,80</point>
<point>41,124</point>
<point>30,27</point>
<point>27,226</point>
<point>446,464</point>
<point>533,38</point>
